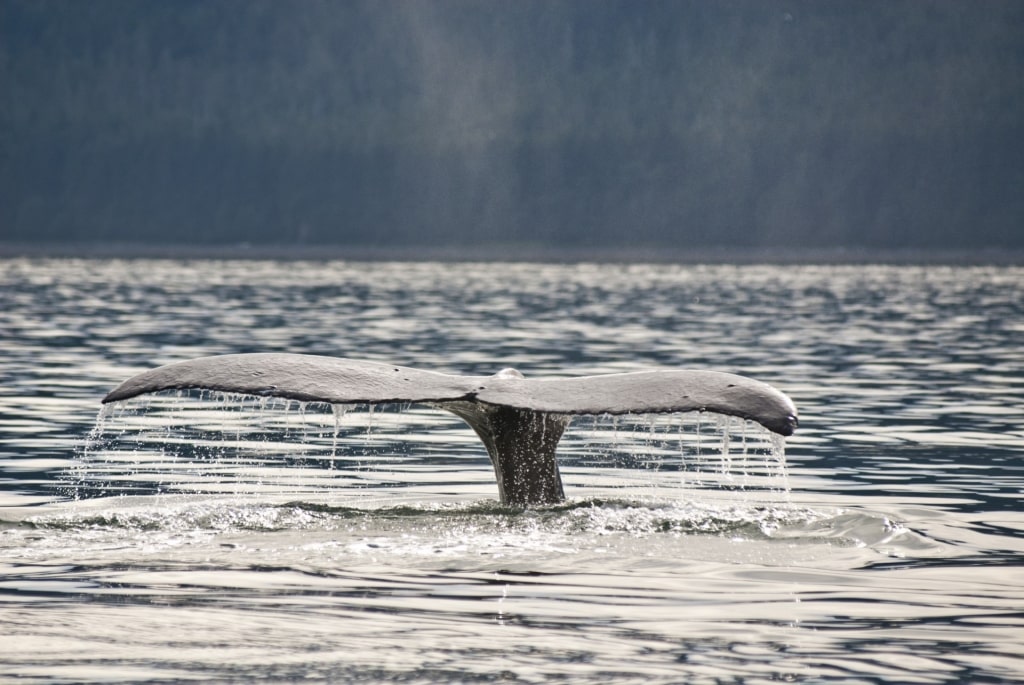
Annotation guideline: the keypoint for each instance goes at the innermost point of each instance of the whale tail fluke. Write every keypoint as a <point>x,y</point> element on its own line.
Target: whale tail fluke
<point>519,420</point>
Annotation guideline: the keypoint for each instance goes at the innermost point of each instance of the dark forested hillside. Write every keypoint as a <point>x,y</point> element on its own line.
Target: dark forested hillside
<point>878,123</point>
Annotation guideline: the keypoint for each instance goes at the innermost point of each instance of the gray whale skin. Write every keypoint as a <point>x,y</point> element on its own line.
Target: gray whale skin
<point>520,420</point>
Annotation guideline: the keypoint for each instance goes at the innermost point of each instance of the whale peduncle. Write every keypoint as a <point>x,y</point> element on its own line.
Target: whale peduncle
<point>521,444</point>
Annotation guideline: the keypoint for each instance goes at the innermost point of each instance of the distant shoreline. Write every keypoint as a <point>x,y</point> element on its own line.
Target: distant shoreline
<point>519,253</point>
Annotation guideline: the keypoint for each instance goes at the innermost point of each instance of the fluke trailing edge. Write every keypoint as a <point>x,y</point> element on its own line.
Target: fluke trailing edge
<point>520,420</point>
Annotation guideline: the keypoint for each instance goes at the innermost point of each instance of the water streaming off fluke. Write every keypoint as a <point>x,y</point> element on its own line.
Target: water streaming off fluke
<point>189,442</point>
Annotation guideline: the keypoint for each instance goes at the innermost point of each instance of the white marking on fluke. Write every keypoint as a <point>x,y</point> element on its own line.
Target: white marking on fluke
<point>520,420</point>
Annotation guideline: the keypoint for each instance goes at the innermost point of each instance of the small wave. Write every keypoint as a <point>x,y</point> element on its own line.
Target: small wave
<point>634,518</point>
<point>198,516</point>
<point>588,535</point>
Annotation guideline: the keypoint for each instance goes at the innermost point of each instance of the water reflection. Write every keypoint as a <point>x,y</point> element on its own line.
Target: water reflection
<point>272,543</point>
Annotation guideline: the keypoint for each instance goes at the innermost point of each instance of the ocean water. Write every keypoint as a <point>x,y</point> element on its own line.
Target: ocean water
<point>196,536</point>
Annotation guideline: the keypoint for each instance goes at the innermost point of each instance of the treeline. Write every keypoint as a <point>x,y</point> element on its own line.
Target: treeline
<point>535,122</point>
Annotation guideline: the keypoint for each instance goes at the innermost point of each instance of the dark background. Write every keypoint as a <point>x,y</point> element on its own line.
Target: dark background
<point>534,123</point>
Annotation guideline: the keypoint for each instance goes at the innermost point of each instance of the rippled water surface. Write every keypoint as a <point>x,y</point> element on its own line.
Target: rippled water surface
<point>191,536</point>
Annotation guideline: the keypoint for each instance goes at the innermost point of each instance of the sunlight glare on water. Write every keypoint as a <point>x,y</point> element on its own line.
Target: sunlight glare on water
<point>202,536</point>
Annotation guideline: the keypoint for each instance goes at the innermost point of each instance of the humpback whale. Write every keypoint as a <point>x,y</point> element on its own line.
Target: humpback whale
<point>520,420</point>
